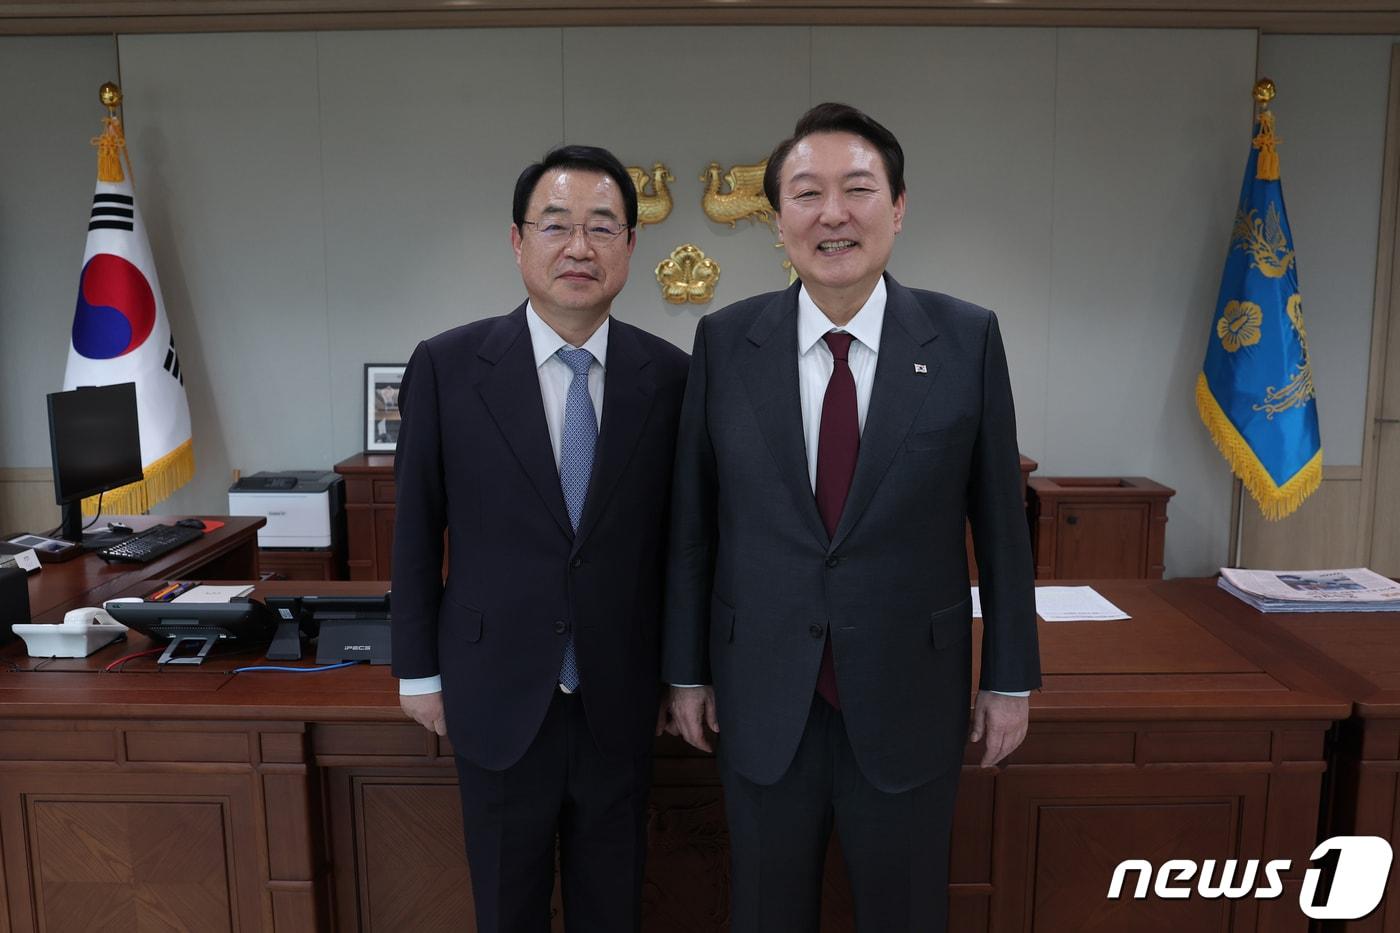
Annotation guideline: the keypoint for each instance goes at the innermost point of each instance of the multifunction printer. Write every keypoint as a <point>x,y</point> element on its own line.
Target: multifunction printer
<point>303,508</point>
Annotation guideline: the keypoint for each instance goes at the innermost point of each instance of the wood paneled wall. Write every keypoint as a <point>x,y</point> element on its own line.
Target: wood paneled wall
<point>26,500</point>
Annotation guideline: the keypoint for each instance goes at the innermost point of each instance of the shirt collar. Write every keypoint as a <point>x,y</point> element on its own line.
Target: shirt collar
<point>866,326</point>
<point>546,342</point>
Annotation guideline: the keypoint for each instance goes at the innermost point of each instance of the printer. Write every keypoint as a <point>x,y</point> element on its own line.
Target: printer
<point>303,508</point>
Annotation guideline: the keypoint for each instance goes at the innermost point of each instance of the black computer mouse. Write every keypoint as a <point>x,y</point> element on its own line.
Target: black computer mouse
<point>190,523</point>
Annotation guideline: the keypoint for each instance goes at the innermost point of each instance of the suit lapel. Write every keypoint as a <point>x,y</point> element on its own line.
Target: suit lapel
<point>628,390</point>
<point>770,375</point>
<point>511,392</point>
<point>899,391</point>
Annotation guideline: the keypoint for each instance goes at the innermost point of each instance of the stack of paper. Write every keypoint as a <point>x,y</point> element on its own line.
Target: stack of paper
<point>1353,590</point>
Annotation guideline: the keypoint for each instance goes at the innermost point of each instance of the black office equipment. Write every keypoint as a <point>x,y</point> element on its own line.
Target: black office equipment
<point>345,628</point>
<point>14,600</point>
<point>95,441</point>
<point>194,628</point>
<point>147,545</point>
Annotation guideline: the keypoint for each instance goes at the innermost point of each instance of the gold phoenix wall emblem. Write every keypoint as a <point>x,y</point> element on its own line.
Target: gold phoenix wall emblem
<point>688,275</point>
<point>743,199</point>
<point>654,206</point>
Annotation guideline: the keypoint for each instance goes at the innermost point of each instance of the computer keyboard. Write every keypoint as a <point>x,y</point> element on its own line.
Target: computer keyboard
<point>145,546</point>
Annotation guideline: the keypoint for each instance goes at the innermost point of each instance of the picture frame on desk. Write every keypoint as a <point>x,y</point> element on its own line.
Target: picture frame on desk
<point>382,405</point>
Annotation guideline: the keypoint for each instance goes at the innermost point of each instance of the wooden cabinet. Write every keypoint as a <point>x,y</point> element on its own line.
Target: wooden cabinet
<point>134,825</point>
<point>1088,527</point>
<point>304,563</point>
<point>369,514</point>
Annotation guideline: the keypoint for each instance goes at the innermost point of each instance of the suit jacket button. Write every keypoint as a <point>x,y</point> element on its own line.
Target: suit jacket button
<point>561,626</point>
<point>817,631</point>
<point>576,563</point>
<point>833,561</point>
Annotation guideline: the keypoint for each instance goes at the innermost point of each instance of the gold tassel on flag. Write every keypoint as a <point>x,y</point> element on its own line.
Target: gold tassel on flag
<point>1266,142</point>
<point>111,145</point>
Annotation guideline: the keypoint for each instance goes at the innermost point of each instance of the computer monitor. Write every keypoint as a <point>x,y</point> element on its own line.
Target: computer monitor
<point>194,628</point>
<point>96,445</point>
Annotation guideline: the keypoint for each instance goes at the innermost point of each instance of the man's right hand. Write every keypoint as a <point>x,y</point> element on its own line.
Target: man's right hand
<point>692,709</point>
<point>426,710</point>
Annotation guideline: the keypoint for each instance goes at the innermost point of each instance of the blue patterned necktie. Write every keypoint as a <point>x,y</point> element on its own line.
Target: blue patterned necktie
<point>576,466</point>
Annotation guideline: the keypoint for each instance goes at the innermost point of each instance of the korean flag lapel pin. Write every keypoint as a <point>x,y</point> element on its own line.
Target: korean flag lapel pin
<point>921,369</point>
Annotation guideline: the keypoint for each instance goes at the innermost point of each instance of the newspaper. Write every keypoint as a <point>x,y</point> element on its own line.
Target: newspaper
<point>1353,590</point>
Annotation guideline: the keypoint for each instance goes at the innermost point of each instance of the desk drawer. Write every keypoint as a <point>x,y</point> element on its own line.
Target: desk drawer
<point>384,490</point>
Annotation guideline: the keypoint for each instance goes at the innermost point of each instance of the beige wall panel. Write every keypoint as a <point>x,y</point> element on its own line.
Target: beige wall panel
<point>422,137</point>
<point>1385,532</point>
<point>687,97</point>
<point>49,111</point>
<point>225,140</point>
<point>1151,134</point>
<point>979,142</point>
<point>1322,533</point>
<point>26,500</point>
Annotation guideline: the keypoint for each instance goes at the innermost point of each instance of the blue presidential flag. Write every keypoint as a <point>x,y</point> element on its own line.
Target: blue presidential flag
<point>1255,391</point>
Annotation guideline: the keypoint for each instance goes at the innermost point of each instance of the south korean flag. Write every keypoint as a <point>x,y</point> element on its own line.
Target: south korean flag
<point>121,332</point>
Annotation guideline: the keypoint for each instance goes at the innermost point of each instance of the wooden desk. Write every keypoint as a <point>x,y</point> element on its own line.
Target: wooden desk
<point>1357,656</point>
<point>227,553</point>
<point>306,802</point>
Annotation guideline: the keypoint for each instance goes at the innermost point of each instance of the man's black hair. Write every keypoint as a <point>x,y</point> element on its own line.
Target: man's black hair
<point>582,158</point>
<point>838,118</point>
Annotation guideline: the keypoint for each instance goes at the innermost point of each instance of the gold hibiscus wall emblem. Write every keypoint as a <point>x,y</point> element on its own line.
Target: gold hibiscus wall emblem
<point>687,276</point>
<point>1239,325</point>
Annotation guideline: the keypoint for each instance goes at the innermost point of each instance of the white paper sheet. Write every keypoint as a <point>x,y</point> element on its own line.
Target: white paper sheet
<point>1075,604</point>
<point>212,594</point>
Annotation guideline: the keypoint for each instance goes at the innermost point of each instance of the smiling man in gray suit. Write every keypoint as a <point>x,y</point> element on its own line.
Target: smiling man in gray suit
<point>833,439</point>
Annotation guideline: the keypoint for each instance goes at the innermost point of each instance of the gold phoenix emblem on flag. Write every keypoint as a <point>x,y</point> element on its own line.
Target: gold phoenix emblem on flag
<point>1264,240</point>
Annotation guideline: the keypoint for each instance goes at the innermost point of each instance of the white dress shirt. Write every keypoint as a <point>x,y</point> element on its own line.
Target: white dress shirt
<point>815,362</point>
<point>555,377</point>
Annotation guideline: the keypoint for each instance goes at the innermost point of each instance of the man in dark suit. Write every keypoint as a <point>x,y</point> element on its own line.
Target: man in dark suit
<point>834,438</point>
<point>542,442</point>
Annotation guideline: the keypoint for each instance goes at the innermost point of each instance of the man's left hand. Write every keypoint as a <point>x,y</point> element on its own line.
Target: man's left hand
<point>1002,721</point>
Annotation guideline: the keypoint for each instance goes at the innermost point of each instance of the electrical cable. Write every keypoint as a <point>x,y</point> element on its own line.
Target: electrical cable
<point>99,512</point>
<point>295,670</point>
<point>140,654</point>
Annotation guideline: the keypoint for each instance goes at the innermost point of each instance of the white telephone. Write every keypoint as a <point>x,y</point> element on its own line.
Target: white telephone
<point>91,617</point>
<point>81,632</point>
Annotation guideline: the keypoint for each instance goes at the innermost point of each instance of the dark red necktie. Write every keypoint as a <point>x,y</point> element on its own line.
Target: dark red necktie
<point>838,443</point>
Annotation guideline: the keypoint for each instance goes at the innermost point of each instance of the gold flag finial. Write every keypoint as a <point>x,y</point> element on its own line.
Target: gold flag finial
<point>111,144</point>
<point>110,95</point>
<point>1264,91</point>
<point>1266,169</point>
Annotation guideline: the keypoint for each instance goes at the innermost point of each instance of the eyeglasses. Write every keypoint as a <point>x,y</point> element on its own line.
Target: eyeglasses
<point>597,232</point>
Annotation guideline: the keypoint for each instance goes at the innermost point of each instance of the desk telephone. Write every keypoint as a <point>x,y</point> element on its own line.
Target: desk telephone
<point>81,632</point>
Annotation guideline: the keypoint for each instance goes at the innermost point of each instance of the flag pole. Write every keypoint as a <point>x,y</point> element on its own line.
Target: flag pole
<point>1236,523</point>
